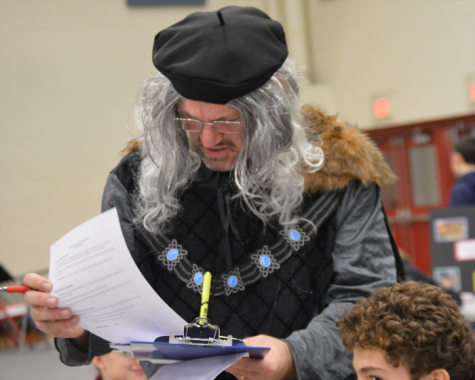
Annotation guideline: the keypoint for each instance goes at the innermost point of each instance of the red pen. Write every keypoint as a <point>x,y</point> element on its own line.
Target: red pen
<point>14,289</point>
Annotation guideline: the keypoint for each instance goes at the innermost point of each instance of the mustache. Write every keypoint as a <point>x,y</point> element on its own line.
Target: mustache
<point>222,144</point>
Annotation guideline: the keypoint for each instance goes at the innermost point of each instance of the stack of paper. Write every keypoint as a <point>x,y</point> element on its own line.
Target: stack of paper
<point>94,274</point>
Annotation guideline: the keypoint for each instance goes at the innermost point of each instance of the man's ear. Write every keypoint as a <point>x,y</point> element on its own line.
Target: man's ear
<point>437,374</point>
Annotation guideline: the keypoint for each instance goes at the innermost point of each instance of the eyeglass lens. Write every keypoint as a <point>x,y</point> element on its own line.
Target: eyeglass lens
<point>222,126</point>
<point>128,355</point>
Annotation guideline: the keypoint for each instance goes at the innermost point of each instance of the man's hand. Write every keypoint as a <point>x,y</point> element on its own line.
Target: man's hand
<point>58,322</point>
<point>277,365</point>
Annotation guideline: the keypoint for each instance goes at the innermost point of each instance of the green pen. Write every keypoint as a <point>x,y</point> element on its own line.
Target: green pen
<point>205,295</point>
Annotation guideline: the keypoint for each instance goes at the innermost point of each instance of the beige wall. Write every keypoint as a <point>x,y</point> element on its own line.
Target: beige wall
<point>419,53</point>
<point>70,71</point>
<point>69,74</point>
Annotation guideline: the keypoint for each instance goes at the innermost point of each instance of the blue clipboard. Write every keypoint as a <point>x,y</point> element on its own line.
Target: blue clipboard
<point>164,352</point>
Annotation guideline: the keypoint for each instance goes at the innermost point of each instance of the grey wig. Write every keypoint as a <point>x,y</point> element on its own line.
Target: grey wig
<point>269,182</point>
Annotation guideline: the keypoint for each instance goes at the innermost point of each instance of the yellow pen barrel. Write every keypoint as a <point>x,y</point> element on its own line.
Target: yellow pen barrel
<point>205,295</point>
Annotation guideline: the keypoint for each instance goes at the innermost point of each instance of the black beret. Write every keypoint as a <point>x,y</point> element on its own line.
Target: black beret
<point>218,56</point>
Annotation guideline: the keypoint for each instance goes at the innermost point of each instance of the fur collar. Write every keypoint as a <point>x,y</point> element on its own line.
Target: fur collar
<point>349,154</point>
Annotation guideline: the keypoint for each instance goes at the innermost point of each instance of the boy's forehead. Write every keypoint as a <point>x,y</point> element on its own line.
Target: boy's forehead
<point>372,362</point>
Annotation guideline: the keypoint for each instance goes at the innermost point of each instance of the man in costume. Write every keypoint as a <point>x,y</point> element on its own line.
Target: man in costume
<point>229,177</point>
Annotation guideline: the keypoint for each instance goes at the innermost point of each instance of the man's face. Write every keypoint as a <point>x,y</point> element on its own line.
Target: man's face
<point>371,364</point>
<point>218,150</point>
<point>456,164</point>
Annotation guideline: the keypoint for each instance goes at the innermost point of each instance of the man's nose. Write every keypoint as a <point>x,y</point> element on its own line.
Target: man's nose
<point>210,136</point>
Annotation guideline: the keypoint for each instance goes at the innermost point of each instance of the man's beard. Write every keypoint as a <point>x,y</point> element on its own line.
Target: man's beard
<point>210,161</point>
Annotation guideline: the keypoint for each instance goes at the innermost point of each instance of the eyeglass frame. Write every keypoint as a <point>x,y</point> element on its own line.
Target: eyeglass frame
<point>126,354</point>
<point>181,119</point>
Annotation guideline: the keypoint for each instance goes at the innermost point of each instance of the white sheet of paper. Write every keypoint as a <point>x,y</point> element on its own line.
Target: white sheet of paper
<point>197,369</point>
<point>465,250</point>
<point>94,274</point>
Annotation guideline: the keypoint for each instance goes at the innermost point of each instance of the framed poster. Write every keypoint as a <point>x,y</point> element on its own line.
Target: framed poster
<point>450,229</point>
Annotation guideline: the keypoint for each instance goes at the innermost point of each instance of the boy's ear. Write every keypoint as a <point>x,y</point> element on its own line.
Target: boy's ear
<point>98,362</point>
<point>437,374</point>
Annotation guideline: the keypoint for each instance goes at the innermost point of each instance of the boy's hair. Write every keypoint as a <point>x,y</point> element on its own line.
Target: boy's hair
<point>417,325</point>
<point>466,147</point>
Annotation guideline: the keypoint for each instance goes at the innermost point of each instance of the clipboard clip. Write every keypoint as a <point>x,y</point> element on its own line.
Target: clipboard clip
<point>201,332</point>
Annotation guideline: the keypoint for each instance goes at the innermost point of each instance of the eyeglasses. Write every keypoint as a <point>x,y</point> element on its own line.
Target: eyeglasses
<point>128,355</point>
<point>192,125</point>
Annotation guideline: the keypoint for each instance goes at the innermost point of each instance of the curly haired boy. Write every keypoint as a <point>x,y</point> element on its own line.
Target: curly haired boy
<point>412,331</point>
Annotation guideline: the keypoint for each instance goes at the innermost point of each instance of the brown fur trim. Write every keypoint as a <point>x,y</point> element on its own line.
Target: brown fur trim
<point>131,146</point>
<point>349,154</point>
